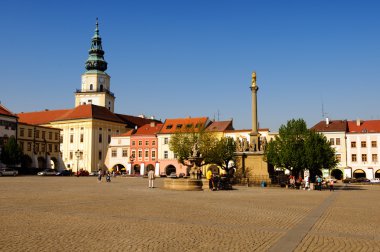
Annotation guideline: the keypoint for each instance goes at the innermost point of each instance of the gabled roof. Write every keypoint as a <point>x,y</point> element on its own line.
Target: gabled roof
<point>183,125</point>
<point>220,126</point>
<point>148,129</point>
<point>133,121</point>
<point>6,112</point>
<point>370,126</point>
<point>88,111</point>
<point>41,117</point>
<point>331,126</point>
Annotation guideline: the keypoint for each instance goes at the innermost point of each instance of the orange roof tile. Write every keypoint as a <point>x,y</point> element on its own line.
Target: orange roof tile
<point>149,129</point>
<point>370,126</point>
<point>90,111</point>
<point>41,117</point>
<point>183,124</point>
<point>6,112</point>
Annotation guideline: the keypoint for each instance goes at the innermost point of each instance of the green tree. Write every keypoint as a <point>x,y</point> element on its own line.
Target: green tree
<point>318,152</point>
<point>11,152</point>
<point>297,148</point>
<point>221,153</point>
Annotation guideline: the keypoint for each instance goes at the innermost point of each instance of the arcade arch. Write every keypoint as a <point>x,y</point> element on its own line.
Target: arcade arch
<point>359,173</point>
<point>169,169</point>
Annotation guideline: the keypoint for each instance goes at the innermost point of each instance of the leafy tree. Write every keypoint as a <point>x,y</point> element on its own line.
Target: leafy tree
<point>318,152</point>
<point>211,149</point>
<point>297,148</point>
<point>11,152</point>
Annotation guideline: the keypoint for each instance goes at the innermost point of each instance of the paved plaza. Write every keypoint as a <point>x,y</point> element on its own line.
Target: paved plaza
<point>81,214</point>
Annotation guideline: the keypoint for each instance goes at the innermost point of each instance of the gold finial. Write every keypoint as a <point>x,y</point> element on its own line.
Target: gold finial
<point>253,79</point>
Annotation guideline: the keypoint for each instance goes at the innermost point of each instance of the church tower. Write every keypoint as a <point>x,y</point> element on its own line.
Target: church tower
<point>95,87</point>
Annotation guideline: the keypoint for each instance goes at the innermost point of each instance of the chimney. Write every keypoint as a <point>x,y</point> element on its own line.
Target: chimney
<point>327,121</point>
<point>358,122</point>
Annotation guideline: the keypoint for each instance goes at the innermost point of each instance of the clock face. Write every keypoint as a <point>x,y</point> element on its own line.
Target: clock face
<point>101,79</point>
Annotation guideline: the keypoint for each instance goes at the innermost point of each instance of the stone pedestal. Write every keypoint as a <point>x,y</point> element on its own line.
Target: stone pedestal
<point>253,167</point>
<point>180,184</point>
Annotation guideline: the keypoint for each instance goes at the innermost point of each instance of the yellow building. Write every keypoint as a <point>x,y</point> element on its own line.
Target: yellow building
<point>40,146</point>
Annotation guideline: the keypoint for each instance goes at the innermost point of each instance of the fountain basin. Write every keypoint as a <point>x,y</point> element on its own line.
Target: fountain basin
<point>181,184</point>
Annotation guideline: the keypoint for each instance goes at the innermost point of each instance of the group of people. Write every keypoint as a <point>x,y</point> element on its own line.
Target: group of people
<point>305,183</point>
<point>216,182</point>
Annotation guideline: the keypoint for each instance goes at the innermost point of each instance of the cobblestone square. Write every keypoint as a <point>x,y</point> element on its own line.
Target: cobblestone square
<point>81,214</point>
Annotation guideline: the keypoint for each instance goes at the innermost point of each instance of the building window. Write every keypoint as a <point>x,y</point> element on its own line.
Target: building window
<point>146,142</point>
<point>100,155</point>
<point>337,141</point>
<point>146,154</point>
<point>56,136</point>
<point>364,144</point>
<point>29,132</point>
<point>166,140</point>
<point>43,134</point>
<point>61,138</point>
<point>22,146</point>
<point>374,158</point>
<point>55,147</point>
<point>91,86</point>
<point>353,157</point>
<point>50,135</point>
<point>338,157</point>
<point>125,153</point>
<point>353,144</point>
<point>50,147</point>
<point>37,134</point>
<point>109,139</point>
<point>331,141</point>
<point>140,155</point>
<point>166,154</point>
<point>43,147</point>
<point>114,153</point>
<point>81,138</point>
<point>364,157</point>
<point>154,142</point>
<point>374,144</point>
<point>153,155</point>
<point>140,143</point>
<point>71,138</point>
<point>133,143</point>
<point>133,154</point>
<point>22,132</point>
<point>100,138</point>
<point>29,147</point>
<point>37,147</point>
<point>71,155</point>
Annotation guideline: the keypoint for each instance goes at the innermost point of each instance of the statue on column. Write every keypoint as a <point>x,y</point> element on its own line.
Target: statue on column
<point>253,79</point>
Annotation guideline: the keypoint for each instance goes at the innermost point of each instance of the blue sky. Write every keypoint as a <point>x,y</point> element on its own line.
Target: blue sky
<point>194,58</point>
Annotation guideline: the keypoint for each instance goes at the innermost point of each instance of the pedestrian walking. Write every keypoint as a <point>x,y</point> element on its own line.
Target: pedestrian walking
<point>331,183</point>
<point>151,178</point>
<point>108,176</point>
<point>100,175</point>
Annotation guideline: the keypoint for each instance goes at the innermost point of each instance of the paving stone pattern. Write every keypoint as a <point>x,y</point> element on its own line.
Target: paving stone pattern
<point>81,214</point>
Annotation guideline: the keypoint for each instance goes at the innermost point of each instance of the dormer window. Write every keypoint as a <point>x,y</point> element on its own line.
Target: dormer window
<point>169,126</point>
<point>189,125</point>
<point>179,126</point>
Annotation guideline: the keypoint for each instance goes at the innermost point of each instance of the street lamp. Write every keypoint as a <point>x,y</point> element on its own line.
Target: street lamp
<point>77,154</point>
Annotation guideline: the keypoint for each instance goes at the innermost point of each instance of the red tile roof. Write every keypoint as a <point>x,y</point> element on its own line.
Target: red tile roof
<point>41,117</point>
<point>332,126</point>
<point>370,126</point>
<point>6,112</point>
<point>133,121</point>
<point>220,126</point>
<point>183,125</point>
<point>90,111</point>
<point>149,129</point>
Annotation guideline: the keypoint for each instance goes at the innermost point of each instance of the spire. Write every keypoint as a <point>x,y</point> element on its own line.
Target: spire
<point>95,59</point>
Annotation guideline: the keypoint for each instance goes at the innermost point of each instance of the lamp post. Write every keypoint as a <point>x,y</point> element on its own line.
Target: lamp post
<point>77,154</point>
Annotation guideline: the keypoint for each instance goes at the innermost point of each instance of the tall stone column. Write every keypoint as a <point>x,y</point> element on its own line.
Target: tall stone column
<point>254,135</point>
